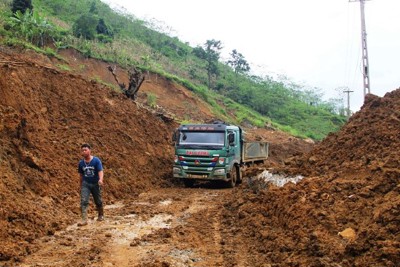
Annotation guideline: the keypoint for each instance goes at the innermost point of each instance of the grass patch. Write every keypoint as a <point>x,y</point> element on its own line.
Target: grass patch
<point>151,100</point>
<point>64,67</point>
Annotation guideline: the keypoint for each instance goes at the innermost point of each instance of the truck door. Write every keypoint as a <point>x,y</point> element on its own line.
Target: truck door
<point>234,146</point>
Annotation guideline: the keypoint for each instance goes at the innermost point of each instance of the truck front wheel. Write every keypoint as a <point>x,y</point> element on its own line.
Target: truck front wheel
<point>233,177</point>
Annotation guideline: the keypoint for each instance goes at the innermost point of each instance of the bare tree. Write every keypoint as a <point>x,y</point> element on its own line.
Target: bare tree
<point>136,78</point>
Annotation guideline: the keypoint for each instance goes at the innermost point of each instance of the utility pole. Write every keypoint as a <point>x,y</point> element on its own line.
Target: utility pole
<point>367,89</point>
<point>348,101</point>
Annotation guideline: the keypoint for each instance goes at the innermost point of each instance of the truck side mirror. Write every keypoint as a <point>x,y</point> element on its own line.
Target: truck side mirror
<point>231,138</point>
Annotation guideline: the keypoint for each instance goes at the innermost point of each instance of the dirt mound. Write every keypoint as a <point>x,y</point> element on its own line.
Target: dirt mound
<point>45,115</point>
<point>369,142</point>
<point>346,213</point>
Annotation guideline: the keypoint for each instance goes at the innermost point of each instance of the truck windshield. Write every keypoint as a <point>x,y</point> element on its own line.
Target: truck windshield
<point>202,138</point>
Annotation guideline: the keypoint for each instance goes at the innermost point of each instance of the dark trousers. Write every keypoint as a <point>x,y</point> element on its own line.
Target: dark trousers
<point>86,190</point>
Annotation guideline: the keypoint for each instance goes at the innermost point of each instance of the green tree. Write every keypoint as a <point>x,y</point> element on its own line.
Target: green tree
<point>102,28</point>
<point>104,32</point>
<point>93,8</point>
<point>21,5</point>
<point>199,52</point>
<point>212,53</point>
<point>85,26</point>
<point>238,63</point>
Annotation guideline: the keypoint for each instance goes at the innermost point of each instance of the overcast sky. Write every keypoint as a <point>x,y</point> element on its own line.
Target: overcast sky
<point>316,43</point>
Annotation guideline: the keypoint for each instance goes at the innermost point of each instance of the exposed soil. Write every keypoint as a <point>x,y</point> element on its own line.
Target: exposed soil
<point>345,212</point>
<point>45,114</point>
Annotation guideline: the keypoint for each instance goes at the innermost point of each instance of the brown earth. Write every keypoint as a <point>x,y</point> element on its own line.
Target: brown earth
<point>352,184</point>
<point>45,115</point>
<point>345,213</point>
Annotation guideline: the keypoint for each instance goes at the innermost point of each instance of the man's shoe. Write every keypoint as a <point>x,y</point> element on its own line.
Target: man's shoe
<point>101,214</point>
<point>83,223</point>
<point>84,216</point>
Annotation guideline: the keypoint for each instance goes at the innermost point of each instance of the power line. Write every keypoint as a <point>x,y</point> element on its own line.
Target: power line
<point>366,82</point>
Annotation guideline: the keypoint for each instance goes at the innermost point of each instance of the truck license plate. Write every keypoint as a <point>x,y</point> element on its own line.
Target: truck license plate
<point>197,176</point>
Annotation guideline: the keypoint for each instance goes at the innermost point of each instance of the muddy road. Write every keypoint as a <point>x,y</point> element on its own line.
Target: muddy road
<point>163,227</point>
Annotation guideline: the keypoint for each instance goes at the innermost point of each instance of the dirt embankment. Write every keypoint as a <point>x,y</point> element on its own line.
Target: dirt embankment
<point>345,213</point>
<point>45,115</point>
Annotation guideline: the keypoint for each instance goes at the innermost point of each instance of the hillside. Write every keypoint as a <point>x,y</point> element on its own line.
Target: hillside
<point>234,94</point>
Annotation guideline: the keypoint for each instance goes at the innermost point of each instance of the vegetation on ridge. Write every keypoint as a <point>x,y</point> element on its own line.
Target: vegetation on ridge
<point>97,31</point>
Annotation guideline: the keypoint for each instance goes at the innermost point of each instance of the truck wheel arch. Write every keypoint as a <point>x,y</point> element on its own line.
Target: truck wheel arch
<point>233,175</point>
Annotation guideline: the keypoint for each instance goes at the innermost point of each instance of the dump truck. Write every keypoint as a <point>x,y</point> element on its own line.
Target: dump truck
<point>214,152</point>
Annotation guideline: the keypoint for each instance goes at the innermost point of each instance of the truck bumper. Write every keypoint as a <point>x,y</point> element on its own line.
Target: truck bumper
<point>215,174</point>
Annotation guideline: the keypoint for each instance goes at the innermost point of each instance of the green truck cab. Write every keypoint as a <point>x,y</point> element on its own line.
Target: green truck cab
<point>214,152</point>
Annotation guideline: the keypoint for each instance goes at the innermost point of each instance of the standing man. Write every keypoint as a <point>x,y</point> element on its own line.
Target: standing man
<point>90,171</point>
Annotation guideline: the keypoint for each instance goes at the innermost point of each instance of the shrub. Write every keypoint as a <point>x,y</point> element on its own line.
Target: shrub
<point>21,5</point>
<point>33,28</point>
<point>104,38</point>
<point>152,100</point>
<point>85,27</point>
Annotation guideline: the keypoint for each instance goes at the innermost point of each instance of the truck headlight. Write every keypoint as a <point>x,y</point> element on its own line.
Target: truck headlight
<point>176,170</point>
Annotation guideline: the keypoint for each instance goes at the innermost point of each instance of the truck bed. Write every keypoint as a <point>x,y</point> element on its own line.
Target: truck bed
<point>254,151</point>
